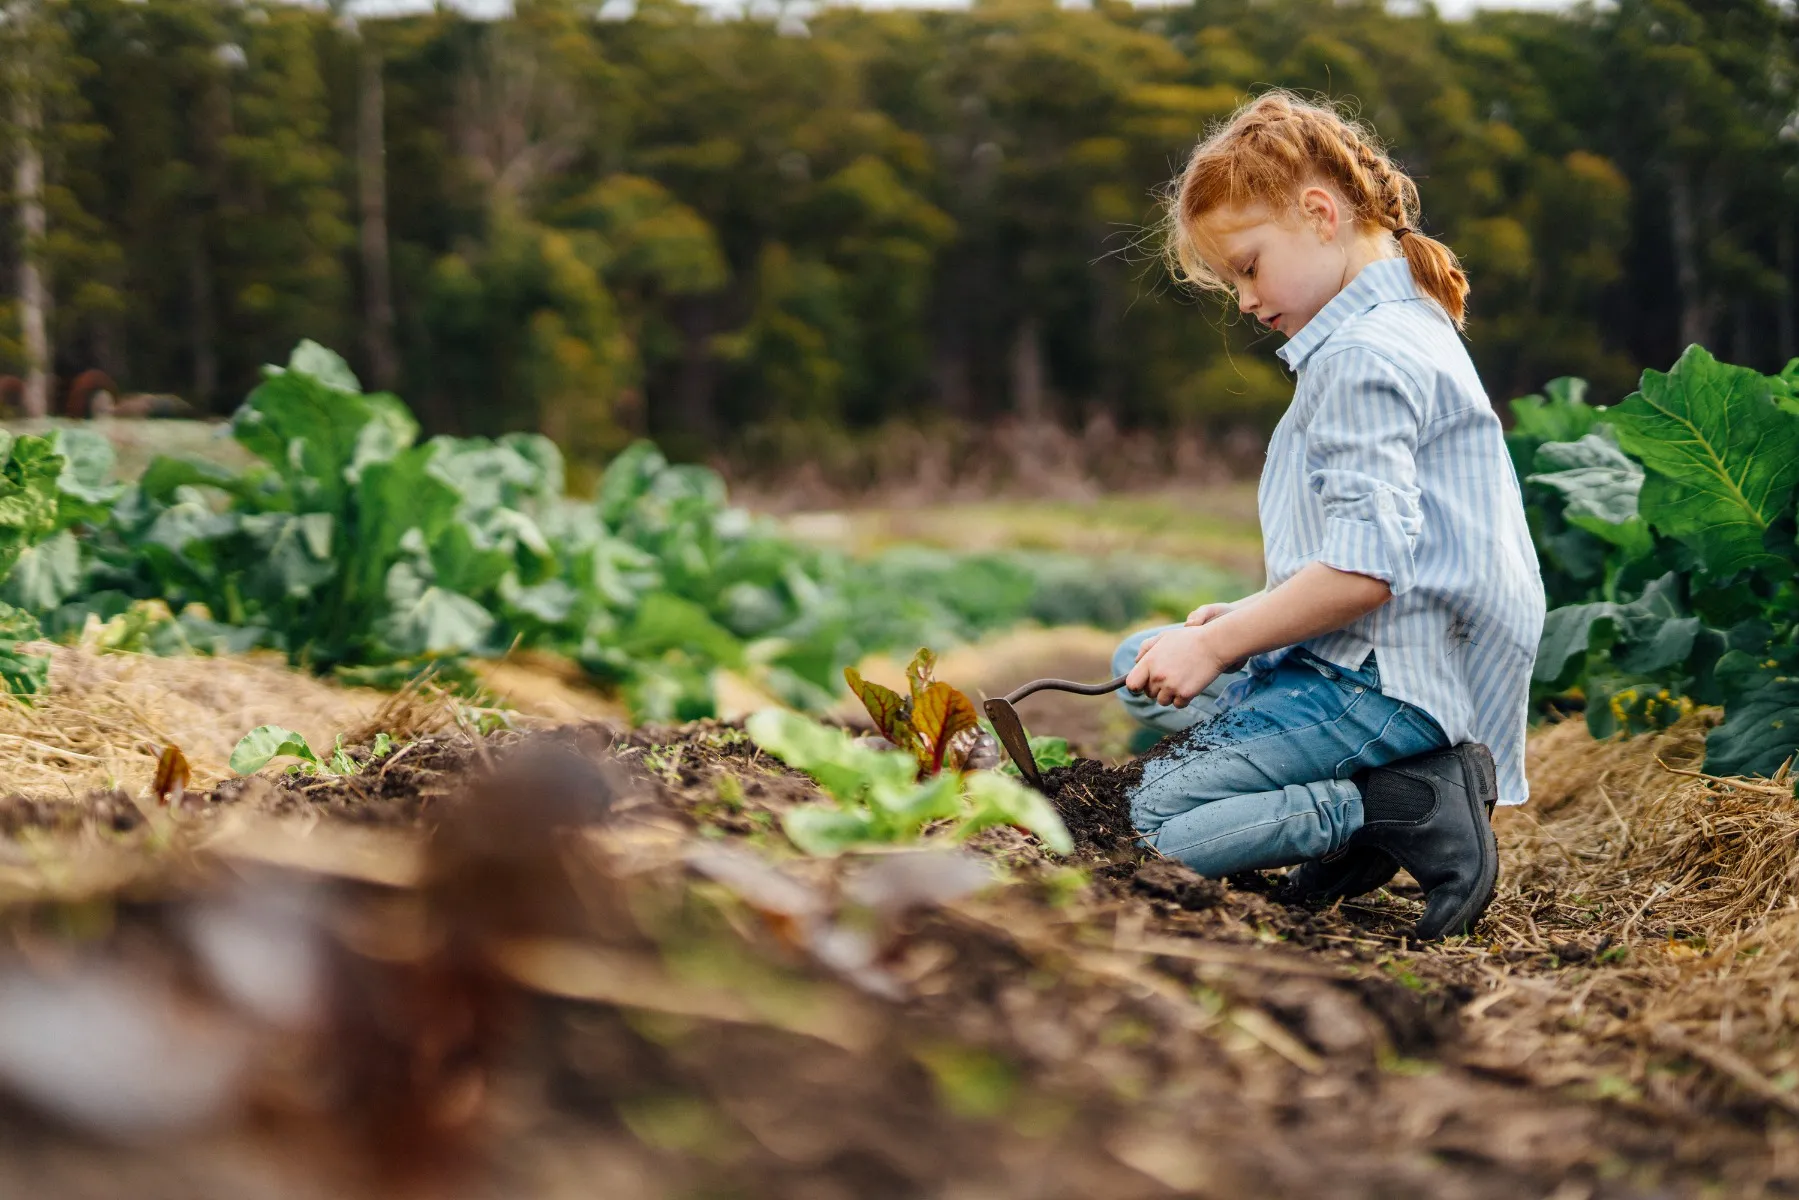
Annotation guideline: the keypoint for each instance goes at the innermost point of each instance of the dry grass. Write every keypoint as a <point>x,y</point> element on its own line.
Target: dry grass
<point>107,716</point>
<point>1682,893</point>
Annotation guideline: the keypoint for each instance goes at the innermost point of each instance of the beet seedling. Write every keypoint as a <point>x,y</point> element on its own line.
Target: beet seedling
<point>936,724</point>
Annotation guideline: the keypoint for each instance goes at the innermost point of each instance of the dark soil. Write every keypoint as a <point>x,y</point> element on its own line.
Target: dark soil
<point>1123,1028</point>
<point>1094,803</point>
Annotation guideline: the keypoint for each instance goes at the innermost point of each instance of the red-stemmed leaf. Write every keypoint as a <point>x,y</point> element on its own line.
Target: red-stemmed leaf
<point>940,717</point>
<point>890,711</point>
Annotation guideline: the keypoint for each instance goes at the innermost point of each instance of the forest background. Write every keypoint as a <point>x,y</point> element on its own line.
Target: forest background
<point>775,236</point>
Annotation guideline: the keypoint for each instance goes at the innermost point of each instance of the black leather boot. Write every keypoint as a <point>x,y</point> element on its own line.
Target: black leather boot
<point>1429,814</point>
<point>1350,872</point>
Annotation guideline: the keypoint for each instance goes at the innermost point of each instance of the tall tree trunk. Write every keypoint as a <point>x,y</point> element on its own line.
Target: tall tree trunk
<point>28,183</point>
<point>371,172</point>
<point>1684,228</point>
<point>693,414</point>
<point>1027,371</point>
<point>205,318</point>
<point>1787,337</point>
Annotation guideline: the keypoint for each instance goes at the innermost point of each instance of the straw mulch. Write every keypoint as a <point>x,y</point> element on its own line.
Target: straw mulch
<point>107,716</point>
<point>1675,897</point>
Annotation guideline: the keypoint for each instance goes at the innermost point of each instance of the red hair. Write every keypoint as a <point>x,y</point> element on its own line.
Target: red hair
<point>1273,148</point>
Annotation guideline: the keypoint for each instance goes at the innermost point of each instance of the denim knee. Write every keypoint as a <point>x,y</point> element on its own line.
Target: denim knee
<point>1125,657</point>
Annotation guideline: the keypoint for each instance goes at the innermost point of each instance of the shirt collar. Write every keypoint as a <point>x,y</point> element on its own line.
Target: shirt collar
<point>1380,281</point>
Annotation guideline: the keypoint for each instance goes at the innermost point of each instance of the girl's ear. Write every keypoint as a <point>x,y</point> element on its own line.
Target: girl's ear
<point>1320,210</point>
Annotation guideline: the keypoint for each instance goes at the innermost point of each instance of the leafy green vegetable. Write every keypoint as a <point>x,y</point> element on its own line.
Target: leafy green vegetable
<point>1048,751</point>
<point>1722,458</point>
<point>356,549</point>
<point>879,798</point>
<point>1666,532</point>
<point>262,745</point>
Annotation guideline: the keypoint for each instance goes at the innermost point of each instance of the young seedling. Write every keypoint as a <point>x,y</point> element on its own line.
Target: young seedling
<point>936,724</point>
<point>262,745</point>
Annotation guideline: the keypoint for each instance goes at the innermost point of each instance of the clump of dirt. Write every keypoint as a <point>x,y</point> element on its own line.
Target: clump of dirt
<point>1094,801</point>
<point>111,810</point>
<point>1180,886</point>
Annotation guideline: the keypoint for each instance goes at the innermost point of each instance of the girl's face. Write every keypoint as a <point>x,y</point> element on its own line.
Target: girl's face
<point>1284,268</point>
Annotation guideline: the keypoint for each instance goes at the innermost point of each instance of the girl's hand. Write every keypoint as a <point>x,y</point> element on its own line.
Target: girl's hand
<point>1210,612</point>
<point>1175,667</point>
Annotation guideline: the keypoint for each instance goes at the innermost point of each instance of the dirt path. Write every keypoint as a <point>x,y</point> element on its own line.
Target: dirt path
<point>671,1003</point>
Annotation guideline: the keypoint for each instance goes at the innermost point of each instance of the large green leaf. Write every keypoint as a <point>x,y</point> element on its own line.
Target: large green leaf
<point>165,475</point>
<point>1761,720</point>
<point>24,675</point>
<point>1722,458</point>
<point>851,773</point>
<point>85,485</point>
<point>826,832</point>
<point>432,621</point>
<point>45,575</point>
<point>1560,414</point>
<point>28,494</point>
<point>326,366</point>
<point>1600,485</point>
<point>1646,635</point>
<point>320,438</point>
<point>1002,800</point>
<point>262,745</point>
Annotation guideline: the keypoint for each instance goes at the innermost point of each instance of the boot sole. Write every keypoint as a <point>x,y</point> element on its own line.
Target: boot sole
<point>1482,791</point>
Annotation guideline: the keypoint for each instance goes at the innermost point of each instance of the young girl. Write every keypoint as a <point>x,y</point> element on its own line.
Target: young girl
<point>1341,718</point>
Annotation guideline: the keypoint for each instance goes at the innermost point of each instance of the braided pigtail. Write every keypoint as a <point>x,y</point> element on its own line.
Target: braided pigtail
<point>1435,268</point>
<point>1269,151</point>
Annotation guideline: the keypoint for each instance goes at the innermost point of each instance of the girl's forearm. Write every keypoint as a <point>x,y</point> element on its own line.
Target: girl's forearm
<point>1318,600</point>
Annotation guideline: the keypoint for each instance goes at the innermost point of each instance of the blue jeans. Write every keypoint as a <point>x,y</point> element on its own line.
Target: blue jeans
<point>1264,781</point>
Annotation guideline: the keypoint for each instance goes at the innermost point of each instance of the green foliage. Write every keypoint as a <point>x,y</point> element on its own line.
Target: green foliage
<point>355,549</point>
<point>879,797</point>
<point>1049,752</point>
<point>264,744</point>
<point>41,491</point>
<point>1666,528</point>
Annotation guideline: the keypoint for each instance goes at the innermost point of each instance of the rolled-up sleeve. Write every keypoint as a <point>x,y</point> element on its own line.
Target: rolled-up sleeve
<point>1361,461</point>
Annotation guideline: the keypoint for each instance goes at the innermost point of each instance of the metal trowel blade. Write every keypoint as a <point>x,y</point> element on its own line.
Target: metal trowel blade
<point>1012,736</point>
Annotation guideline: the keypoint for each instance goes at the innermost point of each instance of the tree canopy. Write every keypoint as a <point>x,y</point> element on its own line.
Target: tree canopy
<point>604,221</point>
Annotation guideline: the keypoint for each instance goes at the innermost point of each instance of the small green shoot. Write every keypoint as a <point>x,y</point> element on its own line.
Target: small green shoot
<point>880,800</point>
<point>264,744</point>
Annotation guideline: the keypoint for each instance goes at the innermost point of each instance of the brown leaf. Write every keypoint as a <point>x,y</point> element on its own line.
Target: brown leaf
<point>172,775</point>
<point>890,711</point>
<point>942,716</point>
<point>958,754</point>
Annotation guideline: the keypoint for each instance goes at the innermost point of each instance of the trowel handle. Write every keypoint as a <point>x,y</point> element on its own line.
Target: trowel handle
<point>1064,685</point>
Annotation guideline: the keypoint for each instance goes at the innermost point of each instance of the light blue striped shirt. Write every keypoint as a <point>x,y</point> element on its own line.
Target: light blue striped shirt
<point>1390,462</point>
